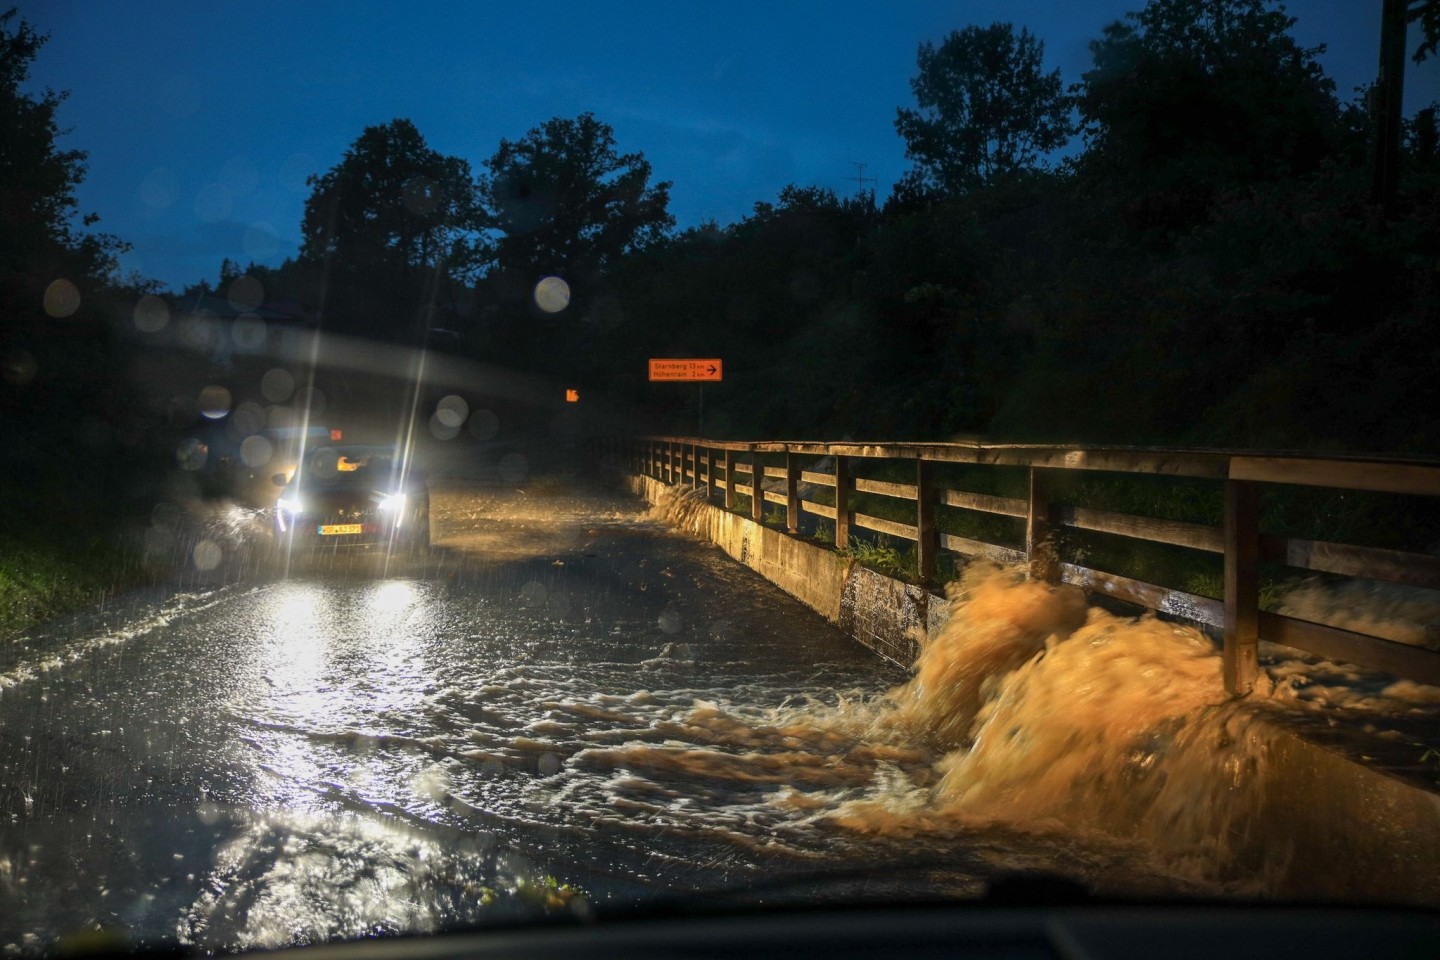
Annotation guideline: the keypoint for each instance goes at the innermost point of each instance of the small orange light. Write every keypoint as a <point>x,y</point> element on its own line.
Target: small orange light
<point>572,396</point>
<point>337,434</point>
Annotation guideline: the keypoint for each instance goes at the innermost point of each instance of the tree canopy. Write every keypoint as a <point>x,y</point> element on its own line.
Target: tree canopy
<point>562,200</point>
<point>987,109</point>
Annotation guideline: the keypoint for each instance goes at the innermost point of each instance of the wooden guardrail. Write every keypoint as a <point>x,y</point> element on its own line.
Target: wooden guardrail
<point>736,467</point>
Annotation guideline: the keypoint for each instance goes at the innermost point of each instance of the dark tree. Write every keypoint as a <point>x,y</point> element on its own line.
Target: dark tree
<point>987,109</point>
<point>563,201</point>
<point>1215,91</point>
<point>392,222</point>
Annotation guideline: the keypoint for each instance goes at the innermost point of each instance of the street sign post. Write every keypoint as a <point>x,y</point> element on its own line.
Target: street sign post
<point>686,370</point>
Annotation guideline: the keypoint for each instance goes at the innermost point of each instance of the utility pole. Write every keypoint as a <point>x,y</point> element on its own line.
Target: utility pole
<point>1389,93</point>
<point>860,180</point>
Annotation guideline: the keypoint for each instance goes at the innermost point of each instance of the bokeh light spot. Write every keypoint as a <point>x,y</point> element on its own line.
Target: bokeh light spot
<point>484,425</point>
<point>191,454</point>
<point>514,467</point>
<point>207,555</point>
<point>452,410</point>
<point>245,293</point>
<point>277,385</point>
<point>260,242</point>
<point>214,401</point>
<point>160,189</point>
<point>18,366</point>
<point>552,294</point>
<point>62,298</point>
<point>248,418</point>
<point>256,451</point>
<point>439,430</point>
<point>248,332</point>
<point>213,203</point>
<point>152,314</point>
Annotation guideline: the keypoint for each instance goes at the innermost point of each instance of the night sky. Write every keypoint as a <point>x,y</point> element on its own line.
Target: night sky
<point>202,120</point>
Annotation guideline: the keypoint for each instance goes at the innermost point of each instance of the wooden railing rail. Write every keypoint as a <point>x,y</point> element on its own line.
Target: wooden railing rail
<point>741,469</point>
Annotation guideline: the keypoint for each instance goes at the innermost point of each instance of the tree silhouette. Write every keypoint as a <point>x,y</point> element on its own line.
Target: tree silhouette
<point>987,109</point>
<point>561,200</point>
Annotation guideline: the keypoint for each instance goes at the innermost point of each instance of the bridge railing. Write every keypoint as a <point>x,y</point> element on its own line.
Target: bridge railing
<point>739,468</point>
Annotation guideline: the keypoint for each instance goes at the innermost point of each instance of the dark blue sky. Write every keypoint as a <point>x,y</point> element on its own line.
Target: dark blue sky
<point>202,120</point>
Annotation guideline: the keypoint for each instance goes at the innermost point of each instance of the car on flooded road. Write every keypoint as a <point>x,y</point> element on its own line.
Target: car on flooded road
<point>353,496</point>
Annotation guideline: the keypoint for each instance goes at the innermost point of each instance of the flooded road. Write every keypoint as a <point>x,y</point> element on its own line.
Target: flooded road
<point>565,706</point>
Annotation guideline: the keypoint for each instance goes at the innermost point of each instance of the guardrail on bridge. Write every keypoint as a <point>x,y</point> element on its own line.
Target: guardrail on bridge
<point>740,468</point>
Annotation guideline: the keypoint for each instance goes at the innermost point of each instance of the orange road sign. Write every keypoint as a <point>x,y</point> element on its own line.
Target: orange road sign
<point>572,396</point>
<point>685,369</point>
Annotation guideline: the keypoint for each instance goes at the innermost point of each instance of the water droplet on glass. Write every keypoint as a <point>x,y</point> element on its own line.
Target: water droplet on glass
<point>214,401</point>
<point>514,467</point>
<point>256,451</point>
<point>248,332</point>
<point>548,765</point>
<point>213,203</point>
<point>260,242</point>
<point>207,555</point>
<point>191,454</point>
<point>62,298</point>
<point>452,410</point>
<point>277,385</point>
<point>552,294</point>
<point>533,594</point>
<point>248,418</point>
<point>18,366</point>
<point>670,620</point>
<point>239,176</point>
<point>484,425</point>
<point>151,314</point>
<point>439,430</point>
<point>160,189</point>
<point>245,293</point>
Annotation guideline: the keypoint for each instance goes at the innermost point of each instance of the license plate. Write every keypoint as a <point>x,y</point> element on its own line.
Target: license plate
<point>330,529</point>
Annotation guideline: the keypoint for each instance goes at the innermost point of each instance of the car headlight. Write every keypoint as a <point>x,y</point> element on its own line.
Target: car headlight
<point>288,504</point>
<point>395,501</point>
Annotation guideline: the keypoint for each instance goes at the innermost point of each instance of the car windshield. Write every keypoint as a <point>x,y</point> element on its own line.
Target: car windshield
<point>806,453</point>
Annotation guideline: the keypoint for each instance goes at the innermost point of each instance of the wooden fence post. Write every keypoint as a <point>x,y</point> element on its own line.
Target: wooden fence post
<point>695,465</point>
<point>757,485</point>
<point>729,479</point>
<point>792,492</point>
<point>927,546</point>
<point>1039,549</point>
<point>842,503</point>
<point>1242,586</point>
<point>709,471</point>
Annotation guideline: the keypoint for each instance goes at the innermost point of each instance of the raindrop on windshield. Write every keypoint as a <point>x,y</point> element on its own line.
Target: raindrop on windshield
<point>277,385</point>
<point>256,451</point>
<point>151,314</point>
<point>62,298</point>
<point>552,294</point>
<point>245,293</point>
<point>191,454</point>
<point>206,555</point>
<point>484,425</point>
<point>248,418</point>
<point>548,765</point>
<point>160,189</point>
<point>452,410</point>
<point>670,620</point>
<point>214,401</point>
<point>260,242</point>
<point>533,594</point>
<point>514,467</point>
<point>439,430</point>
<point>213,203</point>
<point>248,332</point>
<point>18,366</point>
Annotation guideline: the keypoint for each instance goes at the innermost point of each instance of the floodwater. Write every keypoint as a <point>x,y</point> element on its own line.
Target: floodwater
<point>568,707</point>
